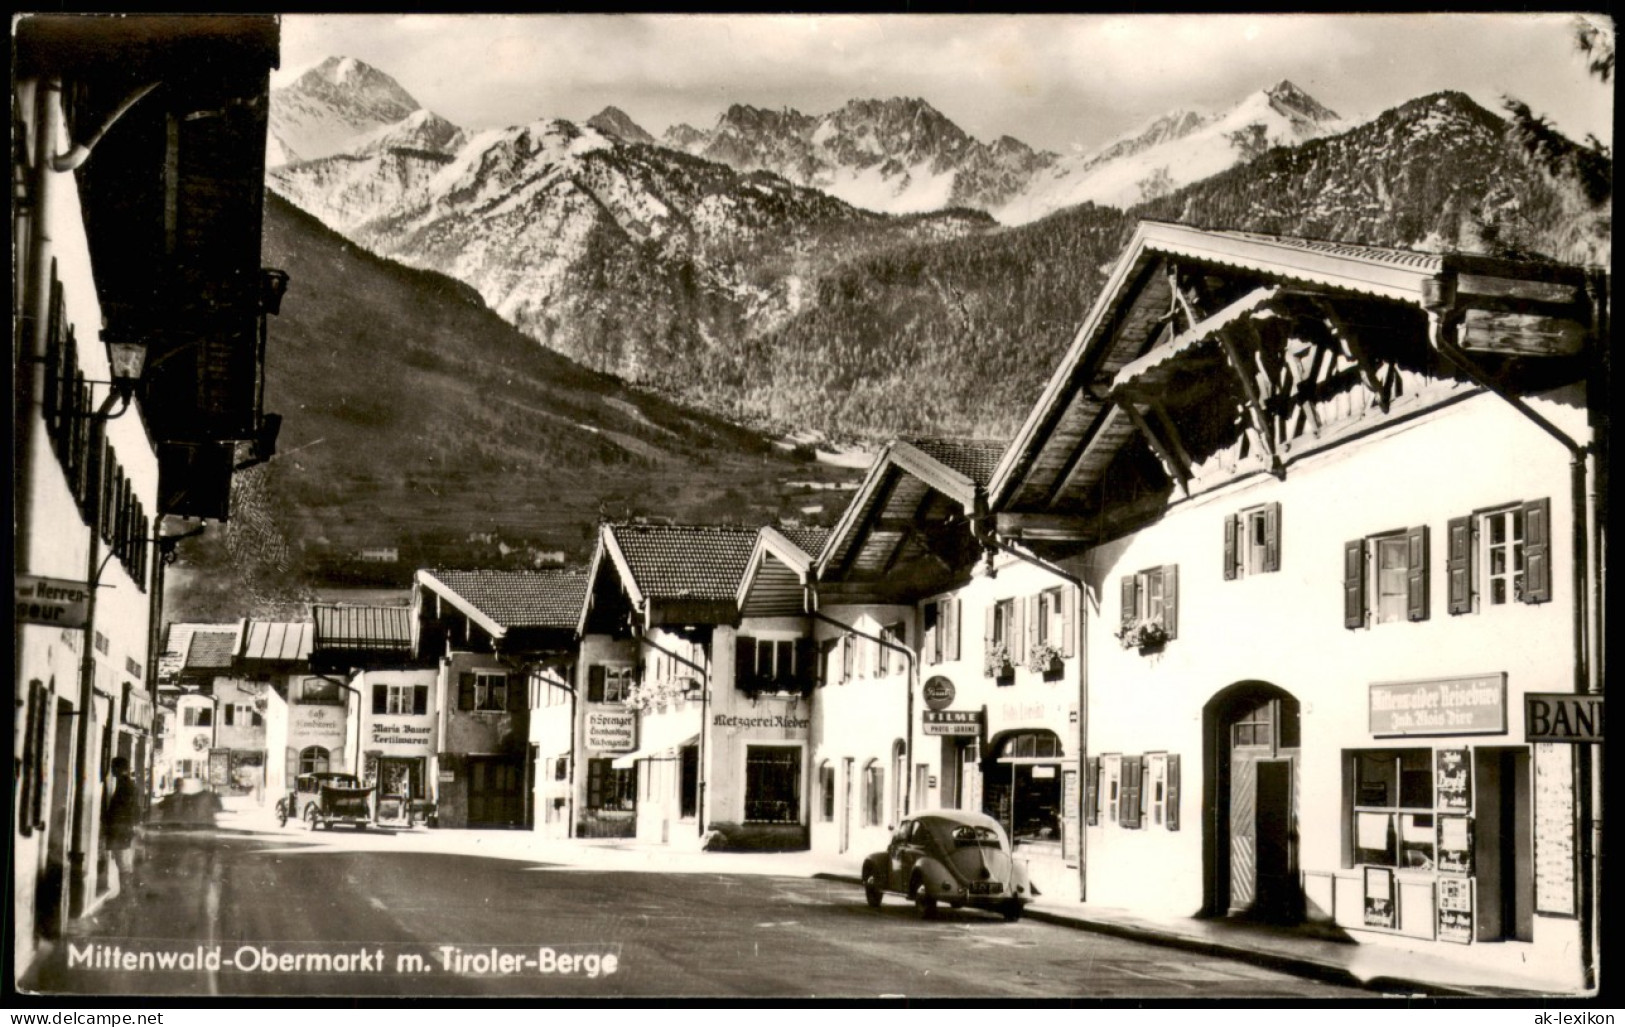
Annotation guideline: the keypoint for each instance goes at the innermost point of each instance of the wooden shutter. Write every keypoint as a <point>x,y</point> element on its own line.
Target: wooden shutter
<point>1416,577</point>
<point>515,699</point>
<point>595,683</point>
<point>1172,801</point>
<point>1272,537</point>
<point>420,699</point>
<point>1069,622</point>
<point>1017,629</point>
<point>992,613</point>
<point>1091,791</point>
<point>1459,564</point>
<point>1354,584</point>
<point>745,675</point>
<point>846,658</point>
<point>807,662</point>
<point>380,698</point>
<point>1126,617</point>
<point>826,649</point>
<point>1128,792</point>
<point>931,625</point>
<point>465,691</point>
<point>1232,526</point>
<point>1170,600</point>
<point>1537,551</point>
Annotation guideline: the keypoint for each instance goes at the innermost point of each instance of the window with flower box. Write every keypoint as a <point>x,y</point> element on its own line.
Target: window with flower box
<point>774,664</point>
<point>1149,614</point>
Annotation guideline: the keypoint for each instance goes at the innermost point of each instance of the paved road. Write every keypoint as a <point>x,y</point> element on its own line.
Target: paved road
<point>413,923</point>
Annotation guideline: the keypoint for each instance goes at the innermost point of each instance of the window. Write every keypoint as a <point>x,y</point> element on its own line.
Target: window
<point>941,623</point>
<point>773,784</point>
<point>611,789</point>
<point>229,710</point>
<point>1111,786</point>
<point>483,691</point>
<point>313,760</point>
<point>395,699</point>
<point>826,792</point>
<point>321,692</point>
<point>1500,557</point>
<point>1150,606</point>
<point>1385,578</point>
<point>1002,641</point>
<point>891,659</point>
<point>773,664</point>
<point>874,794</point>
<point>849,649</point>
<point>1252,542</point>
<point>561,768</point>
<point>1050,623</point>
<point>198,716</point>
<point>1392,807</point>
<point>609,683</point>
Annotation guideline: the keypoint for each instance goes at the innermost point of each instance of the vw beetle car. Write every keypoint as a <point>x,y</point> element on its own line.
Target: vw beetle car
<point>949,857</point>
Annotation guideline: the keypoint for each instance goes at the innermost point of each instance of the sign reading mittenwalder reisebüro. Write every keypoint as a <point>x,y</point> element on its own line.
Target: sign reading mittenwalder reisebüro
<point>1468,705</point>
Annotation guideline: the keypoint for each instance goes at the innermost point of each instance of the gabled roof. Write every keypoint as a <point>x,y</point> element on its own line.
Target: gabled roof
<point>500,601</point>
<point>1041,462</point>
<point>211,649</point>
<point>676,561</point>
<point>791,551</point>
<point>277,642</point>
<point>914,490</point>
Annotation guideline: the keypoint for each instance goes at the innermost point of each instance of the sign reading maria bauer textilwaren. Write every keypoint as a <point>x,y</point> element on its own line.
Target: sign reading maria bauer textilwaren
<point>1440,706</point>
<point>612,730</point>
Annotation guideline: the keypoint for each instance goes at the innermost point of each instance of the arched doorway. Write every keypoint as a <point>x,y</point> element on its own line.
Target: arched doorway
<point>1251,742</point>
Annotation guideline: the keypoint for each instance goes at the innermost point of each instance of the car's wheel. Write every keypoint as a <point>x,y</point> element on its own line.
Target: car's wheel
<point>282,813</point>
<point>1011,911</point>
<point>923,898</point>
<point>873,893</point>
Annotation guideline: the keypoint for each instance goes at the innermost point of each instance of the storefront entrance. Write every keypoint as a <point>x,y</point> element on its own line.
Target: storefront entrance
<point>1503,839</point>
<point>1021,783</point>
<point>496,791</point>
<point>1251,801</point>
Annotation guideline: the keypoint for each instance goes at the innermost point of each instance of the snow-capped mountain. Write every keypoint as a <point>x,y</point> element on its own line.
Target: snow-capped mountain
<point>622,255</point>
<point>893,156</point>
<point>324,110</point>
<point>616,122</point>
<point>1171,151</point>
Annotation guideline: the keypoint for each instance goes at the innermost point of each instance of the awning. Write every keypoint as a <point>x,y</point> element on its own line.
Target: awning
<point>654,752</point>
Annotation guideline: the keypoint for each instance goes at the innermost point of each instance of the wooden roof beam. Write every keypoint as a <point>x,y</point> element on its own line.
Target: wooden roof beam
<point>1178,472</point>
<point>1345,333</point>
<point>1258,420</point>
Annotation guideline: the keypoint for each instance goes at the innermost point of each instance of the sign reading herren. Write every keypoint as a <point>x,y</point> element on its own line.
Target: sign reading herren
<point>1562,717</point>
<point>54,601</point>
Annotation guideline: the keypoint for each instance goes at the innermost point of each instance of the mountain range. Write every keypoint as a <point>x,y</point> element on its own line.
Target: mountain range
<point>493,339</point>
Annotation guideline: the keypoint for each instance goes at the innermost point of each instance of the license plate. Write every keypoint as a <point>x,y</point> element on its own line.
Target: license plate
<point>986,888</point>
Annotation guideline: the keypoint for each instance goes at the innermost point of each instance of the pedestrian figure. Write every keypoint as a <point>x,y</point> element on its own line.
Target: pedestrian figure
<point>120,816</point>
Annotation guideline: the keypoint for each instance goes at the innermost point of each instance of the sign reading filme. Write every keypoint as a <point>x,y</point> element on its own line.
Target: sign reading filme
<point>54,601</point>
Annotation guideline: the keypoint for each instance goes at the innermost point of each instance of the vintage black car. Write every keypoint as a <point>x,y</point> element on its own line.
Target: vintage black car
<point>327,798</point>
<point>949,857</point>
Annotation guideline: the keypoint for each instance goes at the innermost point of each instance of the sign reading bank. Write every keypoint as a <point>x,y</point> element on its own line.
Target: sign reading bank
<point>1475,705</point>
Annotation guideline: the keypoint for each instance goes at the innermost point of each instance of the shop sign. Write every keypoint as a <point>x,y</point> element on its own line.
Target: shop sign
<point>611,730</point>
<point>1379,897</point>
<point>448,776</point>
<point>951,722</point>
<point>58,602</point>
<point>938,692</point>
<point>312,724</point>
<point>409,735</point>
<point>1456,844</point>
<point>1562,717</point>
<point>1456,909</point>
<point>1453,780</point>
<point>1440,706</point>
<point>783,722</point>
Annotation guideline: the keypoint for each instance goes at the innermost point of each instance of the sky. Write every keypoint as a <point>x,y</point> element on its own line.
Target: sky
<point>1052,81</point>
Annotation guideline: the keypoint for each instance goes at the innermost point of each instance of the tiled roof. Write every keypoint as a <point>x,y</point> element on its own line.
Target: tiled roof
<point>974,458</point>
<point>278,642</point>
<point>211,650</point>
<point>669,561</point>
<point>521,599</point>
<point>362,627</point>
<point>809,540</point>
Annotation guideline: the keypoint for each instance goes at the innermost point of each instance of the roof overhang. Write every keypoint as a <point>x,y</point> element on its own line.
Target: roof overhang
<point>772,543</point>
<point>428,580</point>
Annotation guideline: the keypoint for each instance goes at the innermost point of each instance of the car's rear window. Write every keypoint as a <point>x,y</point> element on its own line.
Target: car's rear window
<point>968,835</point>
